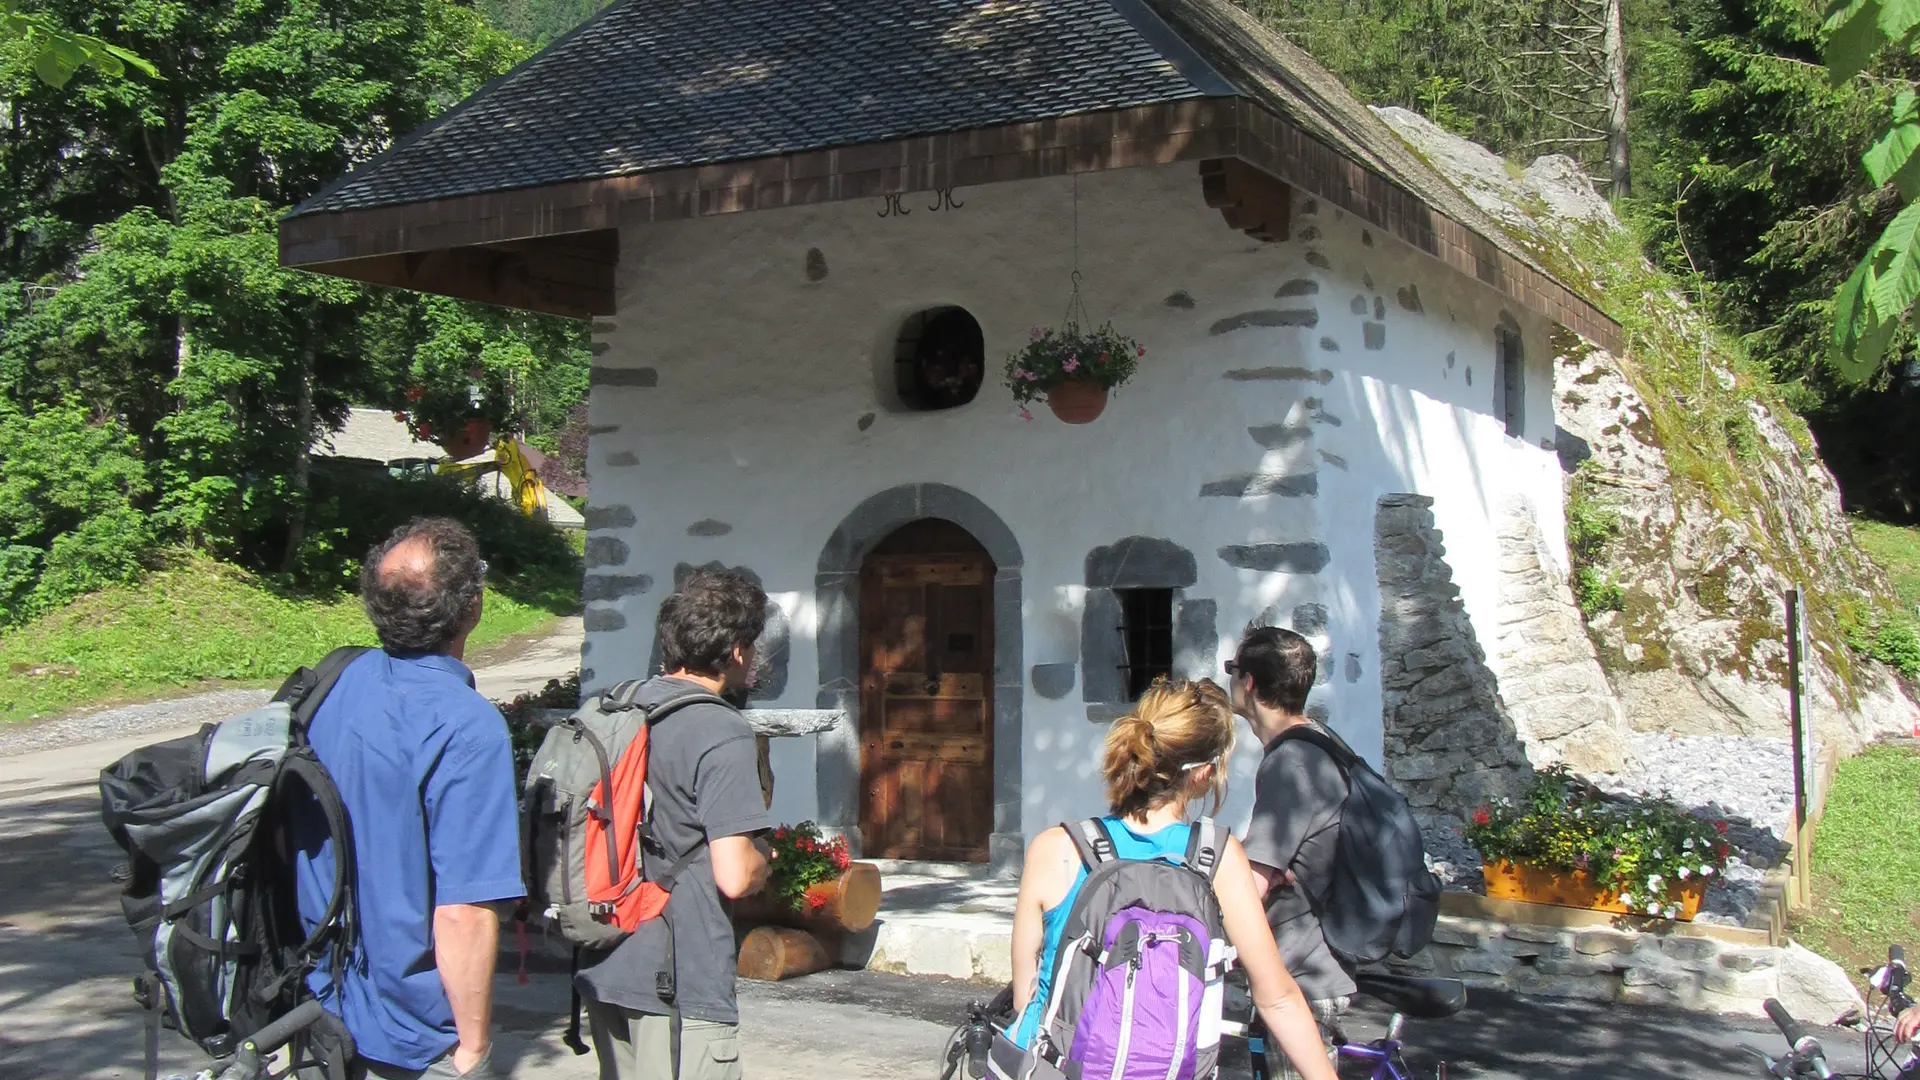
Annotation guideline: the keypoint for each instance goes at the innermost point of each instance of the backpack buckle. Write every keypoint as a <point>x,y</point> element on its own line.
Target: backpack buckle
<point>663,985</point>
<point>1205,858</point>
<point>600,908</point>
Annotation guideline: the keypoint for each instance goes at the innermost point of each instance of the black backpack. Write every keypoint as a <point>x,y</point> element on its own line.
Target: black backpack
<point>204,822</point>
<point>1382,898</point>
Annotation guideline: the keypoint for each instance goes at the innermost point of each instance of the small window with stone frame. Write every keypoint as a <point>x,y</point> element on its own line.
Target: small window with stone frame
<point>1511,384</point>
<point>1146,637</point>
<point>939,359</point>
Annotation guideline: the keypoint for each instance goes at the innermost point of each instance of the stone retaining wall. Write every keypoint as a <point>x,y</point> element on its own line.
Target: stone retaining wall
<point>1680,967</point>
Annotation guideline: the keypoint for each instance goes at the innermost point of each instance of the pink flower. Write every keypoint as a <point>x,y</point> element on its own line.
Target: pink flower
<point>1027,416</point>
<point>1143,350</point>
<point>1038,333</point>
<point>1072,364</point>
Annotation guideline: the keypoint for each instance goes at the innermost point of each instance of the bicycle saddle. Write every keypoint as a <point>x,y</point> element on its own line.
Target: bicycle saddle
<point>1422,999</point>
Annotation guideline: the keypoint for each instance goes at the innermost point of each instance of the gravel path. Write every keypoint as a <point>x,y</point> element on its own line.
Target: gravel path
<point>98,725</point>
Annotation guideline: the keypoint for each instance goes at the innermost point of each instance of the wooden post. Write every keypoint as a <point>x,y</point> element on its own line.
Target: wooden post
<point>1801,893</point>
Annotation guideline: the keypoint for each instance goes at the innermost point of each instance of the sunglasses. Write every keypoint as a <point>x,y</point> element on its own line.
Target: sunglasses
<point>1233,667</point>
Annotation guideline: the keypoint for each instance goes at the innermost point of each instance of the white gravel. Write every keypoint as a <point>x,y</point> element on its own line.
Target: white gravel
<point>125,721</point>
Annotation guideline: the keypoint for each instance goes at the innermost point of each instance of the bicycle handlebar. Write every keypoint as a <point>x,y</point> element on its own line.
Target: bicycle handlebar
<point>1806,1048</point>
<point>281,1031</point>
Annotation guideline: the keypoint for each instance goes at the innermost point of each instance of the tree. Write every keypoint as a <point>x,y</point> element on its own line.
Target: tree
<point>1870,306</point>
<point>140,239</point>
<point>58,53</point>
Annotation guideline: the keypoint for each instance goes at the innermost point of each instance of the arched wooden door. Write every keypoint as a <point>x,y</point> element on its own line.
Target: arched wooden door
<point>926,695</point>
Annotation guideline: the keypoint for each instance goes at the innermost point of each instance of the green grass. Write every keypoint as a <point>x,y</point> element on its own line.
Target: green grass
<point>1897,549</point>
<point>194,624</point>
<point>1866,861</point>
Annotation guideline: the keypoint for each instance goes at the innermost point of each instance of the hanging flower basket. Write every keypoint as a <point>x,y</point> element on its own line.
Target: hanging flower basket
<point>467,440</point>
<point>1072,370</point>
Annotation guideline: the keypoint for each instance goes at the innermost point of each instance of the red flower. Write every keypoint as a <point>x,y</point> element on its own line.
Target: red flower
<point>1143,350</point>
<point>1722,826</point>
<point>415,393</point>
<point>399,417</point>
<point>426,430</point>
<point>816,900</point>
<point>1721,850</point>
<point>842,860</point>
<point>1482,816</point>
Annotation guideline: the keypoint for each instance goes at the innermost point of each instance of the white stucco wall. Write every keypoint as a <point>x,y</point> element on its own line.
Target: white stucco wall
<point>764,377</point>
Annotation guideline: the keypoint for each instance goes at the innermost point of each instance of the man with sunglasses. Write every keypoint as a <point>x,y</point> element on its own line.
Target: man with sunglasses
<point>1294,834</point>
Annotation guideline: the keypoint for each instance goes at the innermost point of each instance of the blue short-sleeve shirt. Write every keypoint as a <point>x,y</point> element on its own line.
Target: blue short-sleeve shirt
<point>425,768</point>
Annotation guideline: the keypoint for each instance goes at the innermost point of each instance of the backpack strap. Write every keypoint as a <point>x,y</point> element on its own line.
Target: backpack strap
<point>669,877</point>
<point>1334,746</point>
<point>1205,844</point>
<point>620,698</point>
<point>306,688</point>
<point>1090,839</point>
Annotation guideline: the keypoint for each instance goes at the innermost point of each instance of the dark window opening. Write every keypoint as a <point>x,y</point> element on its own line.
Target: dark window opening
<point>939,359</point>
<point>1146,637</point>
<point>1512,383</point>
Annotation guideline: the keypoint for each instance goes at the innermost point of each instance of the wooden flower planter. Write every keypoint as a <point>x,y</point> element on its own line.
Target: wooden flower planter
<point>1077,401</point>
<point>1534,885</point>
<point>848,904</point>
<point>783,943</point>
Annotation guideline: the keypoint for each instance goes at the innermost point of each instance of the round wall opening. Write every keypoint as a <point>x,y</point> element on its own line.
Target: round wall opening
<point>939,359</point>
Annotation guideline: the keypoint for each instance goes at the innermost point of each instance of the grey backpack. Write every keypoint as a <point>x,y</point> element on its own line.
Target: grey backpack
<point>583,820</point>
<point>1382,898</point>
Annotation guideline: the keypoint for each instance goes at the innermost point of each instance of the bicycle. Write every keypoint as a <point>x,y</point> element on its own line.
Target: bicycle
<point>1421,999</point>
<point>1887,998</point>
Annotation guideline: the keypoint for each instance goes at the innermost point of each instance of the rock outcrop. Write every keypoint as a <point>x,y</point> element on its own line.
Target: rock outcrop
<point>1722,501</point>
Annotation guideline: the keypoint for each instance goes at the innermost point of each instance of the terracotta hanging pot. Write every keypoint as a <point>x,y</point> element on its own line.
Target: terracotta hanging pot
<point>1534,885</point>
<point>469,440</point>
<point>1077,401</point>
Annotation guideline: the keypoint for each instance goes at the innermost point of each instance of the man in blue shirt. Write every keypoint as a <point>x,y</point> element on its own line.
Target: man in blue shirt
<point>425,767</point>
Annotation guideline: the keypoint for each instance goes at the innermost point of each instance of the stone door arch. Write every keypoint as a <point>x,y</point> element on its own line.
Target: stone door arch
<point>837,607</point>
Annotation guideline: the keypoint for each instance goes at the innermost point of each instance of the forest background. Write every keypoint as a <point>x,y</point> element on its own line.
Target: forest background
<point>163,382</point>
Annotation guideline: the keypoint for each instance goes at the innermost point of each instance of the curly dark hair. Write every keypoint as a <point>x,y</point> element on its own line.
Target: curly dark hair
<point>421,604</point>
<point>712,613</point>
<point>1282,666</point>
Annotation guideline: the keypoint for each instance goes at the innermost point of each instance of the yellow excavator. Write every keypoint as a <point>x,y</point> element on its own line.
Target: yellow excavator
<point>510,461</point>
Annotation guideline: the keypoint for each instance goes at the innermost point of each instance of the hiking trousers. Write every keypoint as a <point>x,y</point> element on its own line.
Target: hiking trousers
<point>634,1046</point>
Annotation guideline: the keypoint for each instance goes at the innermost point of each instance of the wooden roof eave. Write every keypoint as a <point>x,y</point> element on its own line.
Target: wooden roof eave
<point>555,248</point>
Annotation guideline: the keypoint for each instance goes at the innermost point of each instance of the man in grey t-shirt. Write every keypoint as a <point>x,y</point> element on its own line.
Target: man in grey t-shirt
<point>1294,834</point>
<point>708,809</point>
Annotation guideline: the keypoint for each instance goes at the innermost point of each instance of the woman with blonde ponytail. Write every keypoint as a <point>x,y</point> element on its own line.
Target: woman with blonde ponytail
<point>1169,752</point>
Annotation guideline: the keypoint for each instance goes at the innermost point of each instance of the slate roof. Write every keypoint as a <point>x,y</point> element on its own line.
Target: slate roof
<point>657,84</point>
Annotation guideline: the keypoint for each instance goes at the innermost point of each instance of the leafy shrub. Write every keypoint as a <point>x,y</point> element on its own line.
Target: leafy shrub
<point>356,507</point>
<point>1591,529</point>
<point>1639,850</point>
<point>1895,643</point>
<point>70,519</point>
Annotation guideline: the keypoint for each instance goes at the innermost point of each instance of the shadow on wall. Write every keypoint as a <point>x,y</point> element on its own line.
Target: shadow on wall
<point>1449,743</point>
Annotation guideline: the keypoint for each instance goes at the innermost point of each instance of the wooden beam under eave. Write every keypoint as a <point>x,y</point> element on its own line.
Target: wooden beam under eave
<point>554,281</point>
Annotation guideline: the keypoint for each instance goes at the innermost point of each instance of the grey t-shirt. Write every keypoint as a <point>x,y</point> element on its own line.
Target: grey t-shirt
<point>1297,798</point>
<point>703,769</point>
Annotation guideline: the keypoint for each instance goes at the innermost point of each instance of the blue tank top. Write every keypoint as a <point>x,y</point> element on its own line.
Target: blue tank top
<point>1169,843</point>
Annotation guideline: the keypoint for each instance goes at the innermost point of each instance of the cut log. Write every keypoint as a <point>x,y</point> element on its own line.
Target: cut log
<point>772,953</point>
<point>847,904</point>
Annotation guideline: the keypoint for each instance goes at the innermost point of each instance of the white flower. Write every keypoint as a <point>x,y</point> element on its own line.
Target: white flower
<point>1653,882</point>
<point>1706,871</point>
<point>1658,854</point>
<point>1683,873</point>
<point>1672,911</point>
<point>1653,909</point>
<point>1689,843</point>
<point>1626,899</point>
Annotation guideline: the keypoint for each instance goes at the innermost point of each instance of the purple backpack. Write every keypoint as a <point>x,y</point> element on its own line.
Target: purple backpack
<point>1136,989</point>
